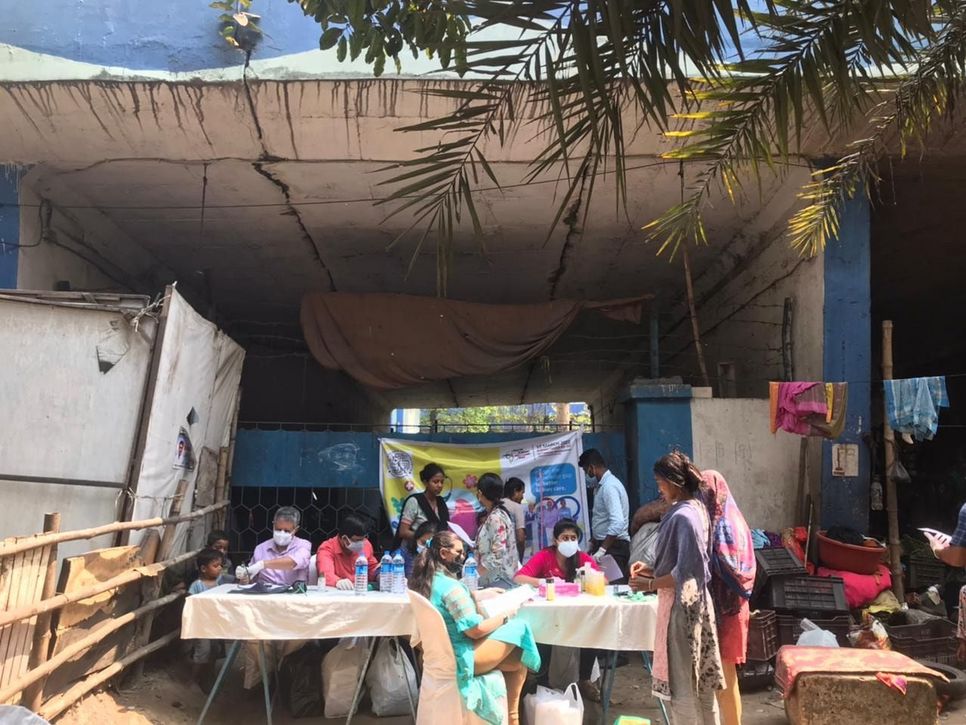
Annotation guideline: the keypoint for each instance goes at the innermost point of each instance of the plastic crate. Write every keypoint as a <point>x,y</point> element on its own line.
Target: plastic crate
<point>762,636</point>
<point>925,570</point>
<point>806,594</point>
<point>778,561</point>
<point>790,628</point>
<point>755,676</point>
<point>934,640</point>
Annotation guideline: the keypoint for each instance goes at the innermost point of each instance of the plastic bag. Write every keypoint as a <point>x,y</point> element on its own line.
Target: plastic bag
<point>387,680</point>
<point>16,715</point>
<point>814,636</point>
<point>552,707</point>
<point>341,670</point>
<point>872,635</point>
<point>298,681</point>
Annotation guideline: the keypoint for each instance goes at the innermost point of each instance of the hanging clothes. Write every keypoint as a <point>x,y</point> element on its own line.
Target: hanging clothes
<point>913,405</point>
<point>808,409</point>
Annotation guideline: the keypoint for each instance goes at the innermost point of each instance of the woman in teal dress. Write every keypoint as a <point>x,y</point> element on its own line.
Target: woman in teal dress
<point>481,644</point>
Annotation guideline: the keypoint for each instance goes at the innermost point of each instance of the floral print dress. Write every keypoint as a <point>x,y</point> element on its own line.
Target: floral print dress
<point>496,548</point>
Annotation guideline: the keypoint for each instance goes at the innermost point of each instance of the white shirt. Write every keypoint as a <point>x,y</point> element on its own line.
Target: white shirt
<point>611,509</point>
<point>518,511</point>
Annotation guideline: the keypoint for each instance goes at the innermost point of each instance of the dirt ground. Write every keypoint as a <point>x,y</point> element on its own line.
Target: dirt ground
<point>167,696</point>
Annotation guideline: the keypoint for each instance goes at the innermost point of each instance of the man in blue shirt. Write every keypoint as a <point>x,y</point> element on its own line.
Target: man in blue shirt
<point>611,512</point>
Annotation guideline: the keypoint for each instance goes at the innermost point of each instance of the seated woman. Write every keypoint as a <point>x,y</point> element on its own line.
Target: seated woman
<point>481,644</point>
<point>496,543</point>
<point>413,547</point>
<point>561,560</point>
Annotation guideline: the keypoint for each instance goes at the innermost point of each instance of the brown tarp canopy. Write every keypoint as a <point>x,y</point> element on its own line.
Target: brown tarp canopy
<point>389,341</point>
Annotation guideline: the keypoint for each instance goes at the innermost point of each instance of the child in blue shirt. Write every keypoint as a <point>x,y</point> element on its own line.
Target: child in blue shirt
<point>205,652</point>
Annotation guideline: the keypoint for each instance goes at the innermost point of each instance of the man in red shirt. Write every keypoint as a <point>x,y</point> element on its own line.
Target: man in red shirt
<point>336,557</point>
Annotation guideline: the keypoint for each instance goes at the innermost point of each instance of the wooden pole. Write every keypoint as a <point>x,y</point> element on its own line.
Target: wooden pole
<point>40,673</point>
<point>57,705</point>
<point>35,542</point>
<point>151,588</point>
<point>221,484</point>
<point>41,645</point>
<point>892,498</point>
<point>692,308</point>
<point>125,510</point>
<point>49,605</point>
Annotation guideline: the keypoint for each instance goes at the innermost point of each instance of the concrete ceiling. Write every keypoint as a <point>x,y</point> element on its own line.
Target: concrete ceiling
<point>261,192</point>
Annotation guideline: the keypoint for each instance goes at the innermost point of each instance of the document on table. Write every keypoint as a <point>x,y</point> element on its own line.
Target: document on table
<point>507,602</point>
<point>612,570</point>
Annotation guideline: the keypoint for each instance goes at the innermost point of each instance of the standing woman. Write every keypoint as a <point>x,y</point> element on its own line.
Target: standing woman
<point>427,505</point>
<point>496,544</point>
<point>481,644</point>
<point>732,581</point>
<point>687,665</point>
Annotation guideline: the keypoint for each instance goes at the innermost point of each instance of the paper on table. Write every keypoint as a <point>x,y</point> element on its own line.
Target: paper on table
<point>612,570</point>
<point>507,602</point>
<point>461,532</point>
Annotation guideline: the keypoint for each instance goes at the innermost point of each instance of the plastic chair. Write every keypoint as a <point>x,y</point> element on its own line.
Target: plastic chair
<point>439,696</point>
<point>313,572</point>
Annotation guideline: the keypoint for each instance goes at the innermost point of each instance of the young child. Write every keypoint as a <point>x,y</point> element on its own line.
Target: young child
<point>205,652</point>
<point>218,540</point>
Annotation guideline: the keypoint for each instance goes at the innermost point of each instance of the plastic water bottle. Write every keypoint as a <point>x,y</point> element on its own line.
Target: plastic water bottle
<point>385,573</point>
<point>471,578</point>
<point>362,575</point>
<point>398,574</point>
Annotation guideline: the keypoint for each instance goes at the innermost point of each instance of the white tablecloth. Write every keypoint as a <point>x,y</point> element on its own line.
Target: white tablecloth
<point>319,614</point>
<point>604,622</point>
<point>585,621</point>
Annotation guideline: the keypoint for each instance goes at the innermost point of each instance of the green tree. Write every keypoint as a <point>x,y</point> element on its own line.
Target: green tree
<point>874,69</point>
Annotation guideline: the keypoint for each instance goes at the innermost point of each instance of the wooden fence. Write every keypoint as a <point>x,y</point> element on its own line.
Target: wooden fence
<point>48,629</point>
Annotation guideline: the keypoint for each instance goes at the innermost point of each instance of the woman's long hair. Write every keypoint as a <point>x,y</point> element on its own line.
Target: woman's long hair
<point>427,527</point>
<point>570,563</point>
<point>677,469</point>
<point>429,562</point>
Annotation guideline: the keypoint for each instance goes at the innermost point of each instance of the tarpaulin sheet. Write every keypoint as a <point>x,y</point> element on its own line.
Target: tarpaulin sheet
<point>194,399</point>
<point>389,341</point>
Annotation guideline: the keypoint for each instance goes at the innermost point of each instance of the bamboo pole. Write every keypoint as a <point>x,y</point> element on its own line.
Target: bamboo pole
<point>692,308</point>
<point>80,534</point>
<point>43,670</point>
<point>57,705</point>
<point>49,605</point>
<point>892,498</point>
<point>41,644</point>
<point>221,484</point>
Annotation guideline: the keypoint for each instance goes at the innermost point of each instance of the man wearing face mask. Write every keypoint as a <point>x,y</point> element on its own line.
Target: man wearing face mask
<point>611,513</point>
<point>336,557</point>
<point>283,559</point>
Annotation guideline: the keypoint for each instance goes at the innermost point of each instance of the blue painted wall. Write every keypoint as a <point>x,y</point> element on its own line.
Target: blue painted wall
<point>848,358</point>
<point>327,459</point>
<point>9,225</point>
<point>179,35</point>
<point>658,421</point>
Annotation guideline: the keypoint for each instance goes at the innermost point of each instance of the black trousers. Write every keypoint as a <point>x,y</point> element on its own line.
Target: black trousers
<point>585,669</point>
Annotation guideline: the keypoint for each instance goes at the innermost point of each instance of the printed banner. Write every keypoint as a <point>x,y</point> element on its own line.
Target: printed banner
<point>547,465</point>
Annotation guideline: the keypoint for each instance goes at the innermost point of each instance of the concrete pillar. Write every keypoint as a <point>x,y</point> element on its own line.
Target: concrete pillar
<point>9,225</point>
<point>848,358</point>
<point>658,420</point>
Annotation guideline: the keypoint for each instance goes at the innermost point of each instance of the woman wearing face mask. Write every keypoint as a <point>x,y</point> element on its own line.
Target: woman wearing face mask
<point>417,545</point>
<point>336,557</point>
<point>481,644</point>
<point>496,543</point>
<point>561,561</point>
<point>687,665</point>
<point>427,505</point>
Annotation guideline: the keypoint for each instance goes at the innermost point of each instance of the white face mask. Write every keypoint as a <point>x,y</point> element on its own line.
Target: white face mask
<point>420,548</point>
<point>282,538</point>
<point>567,548</point>
<point>355,546</point>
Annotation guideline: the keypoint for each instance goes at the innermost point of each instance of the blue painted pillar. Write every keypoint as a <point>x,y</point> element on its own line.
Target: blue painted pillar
<point>658,421</point>
<point>9,225</point>
<point>848,358</point>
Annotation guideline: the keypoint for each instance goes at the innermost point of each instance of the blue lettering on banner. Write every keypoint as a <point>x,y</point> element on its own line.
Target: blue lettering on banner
<point>556,480</point>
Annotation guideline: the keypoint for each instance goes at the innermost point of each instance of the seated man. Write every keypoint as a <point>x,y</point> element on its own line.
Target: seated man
<point>283,559</point>
<point>336,557</point>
